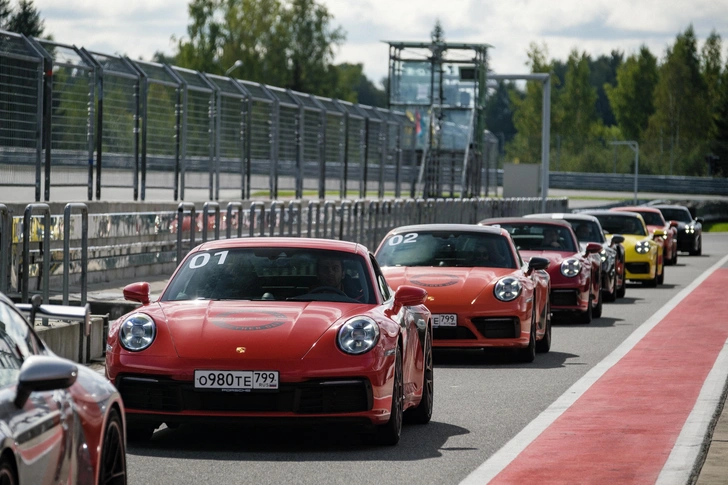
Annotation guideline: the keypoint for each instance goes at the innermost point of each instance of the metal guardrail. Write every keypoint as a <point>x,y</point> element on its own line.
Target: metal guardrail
<point>123,242</point>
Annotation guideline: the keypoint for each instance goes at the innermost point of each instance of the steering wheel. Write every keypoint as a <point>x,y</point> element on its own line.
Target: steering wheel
<point>328,289</point>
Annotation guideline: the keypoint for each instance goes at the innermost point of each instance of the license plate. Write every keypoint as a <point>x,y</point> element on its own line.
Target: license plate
<point>236,380</point>
<point>445,320</point>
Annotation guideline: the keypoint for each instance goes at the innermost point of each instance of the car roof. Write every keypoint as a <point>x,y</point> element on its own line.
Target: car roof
<point>288,242</point>
<point>671,206</point>
<point>446,227</point>
<point>523,220</point>
<point>636,208</point>
<point>563,216</point>
<point>603,212</point>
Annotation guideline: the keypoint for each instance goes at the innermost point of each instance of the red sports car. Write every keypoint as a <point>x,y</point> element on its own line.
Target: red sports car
<point>656,221</point>
<point>479,291</point>
<point>575,275</point>
<point>59,422</point>
<point>283,328</point>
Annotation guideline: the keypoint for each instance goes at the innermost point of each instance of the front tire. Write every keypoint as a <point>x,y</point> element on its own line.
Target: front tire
<point>528,354</point>
<point>423,412</point>
<point>597,313</point>
<point>113,454</point>
<point>586,316</point>
<point>7,472</point>
<point>388,434</point>
<point>544,345</point>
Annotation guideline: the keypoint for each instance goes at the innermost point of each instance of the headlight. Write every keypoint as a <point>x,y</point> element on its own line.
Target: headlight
<point>603,255</point>
<point>507,289</point>
<point>137,332</point>
<point>642,247</point>
<point>570,267</point>
<point>690,229</point>
<point>358,335</point>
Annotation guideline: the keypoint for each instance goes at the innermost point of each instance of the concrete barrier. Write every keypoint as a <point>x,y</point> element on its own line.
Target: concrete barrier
<point>66,340</point>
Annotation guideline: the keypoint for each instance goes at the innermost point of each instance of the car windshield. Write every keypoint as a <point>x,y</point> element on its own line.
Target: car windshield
<point>680,215</point>
<point>272,274</point>
<point>653,218</point>
<point>541,237</point>
<point>622,224</point>
<point>445,249</point>
<point>587,231</point>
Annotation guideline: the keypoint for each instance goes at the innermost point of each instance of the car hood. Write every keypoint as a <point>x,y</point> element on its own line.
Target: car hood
<point>554,257</point>
<point>465,284</point>
<point>272,330</point>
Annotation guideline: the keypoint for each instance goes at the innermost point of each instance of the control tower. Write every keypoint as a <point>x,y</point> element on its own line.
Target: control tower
<point>441,86</point>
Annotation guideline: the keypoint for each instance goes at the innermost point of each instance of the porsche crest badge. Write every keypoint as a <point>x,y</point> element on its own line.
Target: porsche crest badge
<point>240,350</point>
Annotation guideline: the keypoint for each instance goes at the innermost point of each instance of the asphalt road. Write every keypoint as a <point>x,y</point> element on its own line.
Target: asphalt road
<point>481,402</point>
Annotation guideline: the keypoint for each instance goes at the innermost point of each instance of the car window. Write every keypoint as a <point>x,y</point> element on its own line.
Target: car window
<point>622,224</point>
<point>17,343</point>
<point>279,274</point>
<point>447,249</point>
<point>681,215</point>
<point>540,237</point>
<point>382,285</point>
<point>587,231</point>
<point>652,218</point>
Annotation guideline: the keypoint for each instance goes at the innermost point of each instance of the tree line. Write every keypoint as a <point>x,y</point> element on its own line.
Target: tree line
<point>675,106</point>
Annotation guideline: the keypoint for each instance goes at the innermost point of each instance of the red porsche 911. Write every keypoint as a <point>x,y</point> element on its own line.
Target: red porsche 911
<point>575,276</point>
<point>479,291</point>
<point>286,328</point>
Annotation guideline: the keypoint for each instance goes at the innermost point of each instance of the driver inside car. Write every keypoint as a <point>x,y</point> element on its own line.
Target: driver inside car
<point>330,273</point>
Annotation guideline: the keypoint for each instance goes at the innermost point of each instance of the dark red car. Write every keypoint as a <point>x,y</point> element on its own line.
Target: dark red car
<point>575,275</point>
<point>59,422</point>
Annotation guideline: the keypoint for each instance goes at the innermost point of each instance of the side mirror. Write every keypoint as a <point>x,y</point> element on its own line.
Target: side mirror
<point>137,292</point>
<point>617,239</point>
<point>537,263</point>
<point>409,296</point>
<point>658,233</point>
<point>700,219</point>
<point>44,373</point>
<point>593,247</point>
<point>673,224</point>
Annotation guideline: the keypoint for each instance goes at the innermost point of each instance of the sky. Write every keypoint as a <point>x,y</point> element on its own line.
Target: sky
<point>139,28</point>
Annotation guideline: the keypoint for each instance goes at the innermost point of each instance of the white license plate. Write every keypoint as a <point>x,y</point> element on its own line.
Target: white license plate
<point>236,380</point>
<point>445,320</point>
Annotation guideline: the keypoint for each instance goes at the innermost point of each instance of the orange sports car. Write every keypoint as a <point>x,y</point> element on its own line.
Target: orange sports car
<point>480,292</point>
<point>288,329</point>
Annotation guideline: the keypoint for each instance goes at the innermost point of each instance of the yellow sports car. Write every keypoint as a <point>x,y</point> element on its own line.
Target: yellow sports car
<point>643,259</point>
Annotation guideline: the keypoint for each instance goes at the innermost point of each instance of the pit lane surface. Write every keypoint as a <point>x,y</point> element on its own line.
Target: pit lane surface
<point>481,402</point>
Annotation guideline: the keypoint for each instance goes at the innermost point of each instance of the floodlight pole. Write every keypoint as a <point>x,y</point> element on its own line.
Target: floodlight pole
<point>545,78</point>
<point>636,149</point>
<point>237,64</point>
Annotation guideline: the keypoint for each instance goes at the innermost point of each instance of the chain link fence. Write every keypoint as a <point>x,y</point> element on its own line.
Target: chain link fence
<point>74,118</point>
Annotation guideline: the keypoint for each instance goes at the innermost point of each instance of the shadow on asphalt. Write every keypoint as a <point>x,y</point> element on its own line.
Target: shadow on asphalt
<point>466,359</point>
<point>310,443</point>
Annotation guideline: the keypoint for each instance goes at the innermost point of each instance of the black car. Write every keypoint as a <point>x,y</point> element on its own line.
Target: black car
<point>689,229</point>
<point>59,422</point>
<point>588,229</point>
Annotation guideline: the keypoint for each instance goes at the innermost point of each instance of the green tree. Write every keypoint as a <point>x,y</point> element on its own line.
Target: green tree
<point>577,100</point>
<point>604,73</point>
<point>499,110</point>
<point>681,122</point>
<point>710,68</point>
<point>26,20</point>
<point>527,109</point>
<point>286,43</point>
<point>438,33</point>
<point>632,97</point>
<point>5,13</point>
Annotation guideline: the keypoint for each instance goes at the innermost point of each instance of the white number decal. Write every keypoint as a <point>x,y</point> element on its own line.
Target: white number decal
<point>407,239</point>
<point>396,240</point>
<point>202,259</point>
<point>410,238</point>
<point>199,261</point>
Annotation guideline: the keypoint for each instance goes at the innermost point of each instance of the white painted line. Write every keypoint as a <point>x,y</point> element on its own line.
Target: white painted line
<point>683,460</point>
<point>503,457</point>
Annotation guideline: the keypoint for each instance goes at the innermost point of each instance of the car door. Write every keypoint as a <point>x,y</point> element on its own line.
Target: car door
<point>39,429</point>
